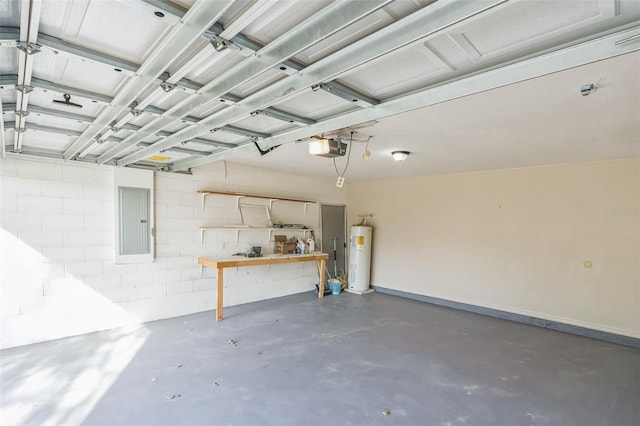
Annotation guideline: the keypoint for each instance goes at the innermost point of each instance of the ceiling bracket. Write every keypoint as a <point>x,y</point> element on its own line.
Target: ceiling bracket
<point>28,48</point>
<point>20,129</point>
<point>218,43</point>
<point>22,113</point>
<point>23,88</point>
<point>167,87</point>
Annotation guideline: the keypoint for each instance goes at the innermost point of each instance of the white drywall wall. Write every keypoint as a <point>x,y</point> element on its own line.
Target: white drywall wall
<point>559,242</point>
<point>58,276</point>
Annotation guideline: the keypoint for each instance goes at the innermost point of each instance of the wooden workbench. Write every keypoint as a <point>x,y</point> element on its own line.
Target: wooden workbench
<point>237,262</point>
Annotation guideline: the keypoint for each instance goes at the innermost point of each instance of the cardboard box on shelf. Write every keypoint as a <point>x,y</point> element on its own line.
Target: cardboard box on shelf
<point>283,247</point>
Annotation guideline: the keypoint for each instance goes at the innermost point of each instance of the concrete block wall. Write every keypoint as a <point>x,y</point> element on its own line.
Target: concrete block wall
<point>58,234</point>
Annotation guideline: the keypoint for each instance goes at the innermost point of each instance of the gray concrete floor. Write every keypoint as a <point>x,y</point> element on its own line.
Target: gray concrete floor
<point>341,361</point>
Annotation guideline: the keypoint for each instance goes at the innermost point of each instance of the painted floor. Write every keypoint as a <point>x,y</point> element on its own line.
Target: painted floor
<point>345,360</point>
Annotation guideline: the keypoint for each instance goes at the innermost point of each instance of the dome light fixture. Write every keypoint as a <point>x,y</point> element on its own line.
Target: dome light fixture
<point>400,155</point>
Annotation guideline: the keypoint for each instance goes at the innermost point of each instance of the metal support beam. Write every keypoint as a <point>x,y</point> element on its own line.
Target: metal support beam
<point>546,63</point>
<point>352,95</point>
<point>198,19</point>
<point>243,132</point>
<point>29,22</point>
<point>426,22</point>
<point>2,138</point>
<point>92,96</point>
<point>326,22</point>
<point>285,116</point>
<point>60,46</point>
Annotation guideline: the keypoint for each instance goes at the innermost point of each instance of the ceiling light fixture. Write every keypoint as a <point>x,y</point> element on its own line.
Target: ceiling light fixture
<point>400,155</point>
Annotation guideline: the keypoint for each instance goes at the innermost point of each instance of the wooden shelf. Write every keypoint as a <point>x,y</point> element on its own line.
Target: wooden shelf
<point>247,228</point>
<point>240,195</point>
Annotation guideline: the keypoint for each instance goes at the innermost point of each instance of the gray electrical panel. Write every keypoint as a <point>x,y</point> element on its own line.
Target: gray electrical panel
<point>135,231</point>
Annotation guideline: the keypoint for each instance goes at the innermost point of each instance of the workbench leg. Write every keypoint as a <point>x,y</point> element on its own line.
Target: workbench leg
<point>322,268</point>
<point>220,294</point>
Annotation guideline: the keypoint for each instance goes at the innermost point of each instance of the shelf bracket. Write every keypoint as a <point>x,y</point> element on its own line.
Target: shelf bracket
<point>204,195</point>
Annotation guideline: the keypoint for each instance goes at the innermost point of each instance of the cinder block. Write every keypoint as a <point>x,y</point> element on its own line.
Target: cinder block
<point>63,254</point>
<point>136,279</point>
<point>20,186</point>
<point>83,238</point>
<point>100,221</point>
<point>179,287</point>
<point>163,277</point>
<point>61,189</point>
<point>40,238</point>
<point>62,222</point>
<point>191,199</point>
<point>103,252</point>
<point>180,262</point>
<point>204,284</point>
<point>190,249</point>
<point>98,192</point>
<point>38,204</point>
<point>210,273</point>
<point>161,210</point>
<point>167,197</point>
<point>174,183</point>
<point>55,286</point>
<point>83,174</point>
<point>83,269</point>
<point>246,276</point>
<point>22,221</point>
<point>39,170</point>
<point>190,274</point>
<point>181,237</point>
<point>75,205</point>
<point>120,295</point>
<point>150,291</point>
<point>8,167</point>
<point>104,282</point>
<point>8,203</point>
<point>176,211</point>
<point>168,250</point>
<point>170,224</point>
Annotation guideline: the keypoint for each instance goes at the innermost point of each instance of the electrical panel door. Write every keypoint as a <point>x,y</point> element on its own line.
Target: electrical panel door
<point>135,235</point>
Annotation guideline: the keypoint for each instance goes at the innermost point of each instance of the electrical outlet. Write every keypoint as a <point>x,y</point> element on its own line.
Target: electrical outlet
<point>340,182</point>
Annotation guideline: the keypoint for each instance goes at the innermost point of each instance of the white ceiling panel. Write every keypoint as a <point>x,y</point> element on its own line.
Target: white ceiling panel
<point>259,82</point>
<point>285,16</point>
<point>76,73</point>
<point>108,26</point>
<point>8,61</point>
<point>10,13</point>
<point>503,30</point>
<point>214,65</point>
<point>47,140</point>
<point>346,36</point>
<point>384,79</point>
<point>264,124</point>
<point>315,104</point>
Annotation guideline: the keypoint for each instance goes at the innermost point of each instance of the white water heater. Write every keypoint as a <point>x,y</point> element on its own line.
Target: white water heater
<point>360,259</point>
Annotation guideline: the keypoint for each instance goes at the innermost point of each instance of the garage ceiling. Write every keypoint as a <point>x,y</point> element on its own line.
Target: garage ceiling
<point>463,85</point>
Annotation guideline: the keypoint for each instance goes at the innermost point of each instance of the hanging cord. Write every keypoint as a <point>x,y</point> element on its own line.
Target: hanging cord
<point>348,158</point>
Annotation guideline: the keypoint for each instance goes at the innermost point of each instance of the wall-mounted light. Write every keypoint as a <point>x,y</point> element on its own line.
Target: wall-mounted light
<point>400,155</point>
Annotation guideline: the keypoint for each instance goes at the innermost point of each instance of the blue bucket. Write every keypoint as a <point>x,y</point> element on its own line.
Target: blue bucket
<point>335,286</point>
